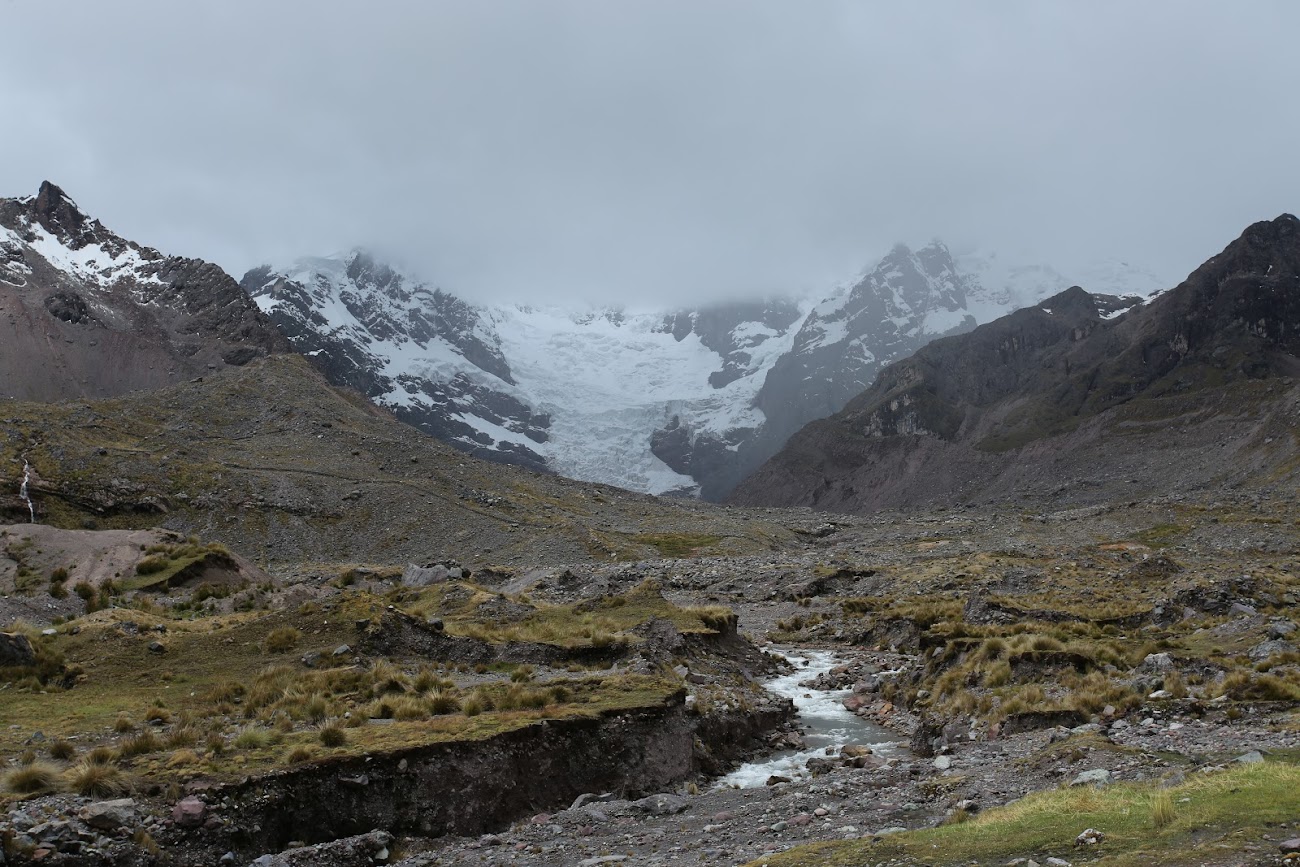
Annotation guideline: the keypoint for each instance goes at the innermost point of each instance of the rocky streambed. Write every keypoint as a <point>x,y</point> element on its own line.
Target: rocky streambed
<point>827,726</point>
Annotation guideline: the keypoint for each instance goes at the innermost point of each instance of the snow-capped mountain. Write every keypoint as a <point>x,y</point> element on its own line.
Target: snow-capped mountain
<point>654,401</point>
<point>87,313</point>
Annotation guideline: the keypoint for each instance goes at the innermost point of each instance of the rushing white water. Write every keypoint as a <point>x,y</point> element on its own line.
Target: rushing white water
<point>827,724</point>
<point>22,491</point>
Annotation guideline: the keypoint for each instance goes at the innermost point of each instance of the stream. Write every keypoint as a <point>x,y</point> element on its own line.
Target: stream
<point>22,491</point>
<point>827,725</point>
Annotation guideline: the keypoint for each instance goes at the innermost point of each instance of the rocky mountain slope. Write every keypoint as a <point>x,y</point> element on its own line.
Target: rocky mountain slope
<point>1081,396</point>
<point>679,401</point>
<point>287,469</point>
<point>86,313</point>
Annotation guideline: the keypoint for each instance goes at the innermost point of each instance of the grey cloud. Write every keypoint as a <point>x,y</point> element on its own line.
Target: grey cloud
<point>646,151</point>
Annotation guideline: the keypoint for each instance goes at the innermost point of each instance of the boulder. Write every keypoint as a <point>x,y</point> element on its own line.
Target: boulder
<point>16,650</point>
<point>190,812</point>
<point>1265,649</point>
<point>1156,663</point>
<point>110,815</point>
<point>423,576</point>
<point>1097,777</point>
<point>662,805</point>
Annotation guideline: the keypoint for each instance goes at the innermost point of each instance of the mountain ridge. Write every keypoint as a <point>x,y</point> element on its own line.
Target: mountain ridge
<point>1025,403</point>
<point>675,402</point>
<point>87,313</point>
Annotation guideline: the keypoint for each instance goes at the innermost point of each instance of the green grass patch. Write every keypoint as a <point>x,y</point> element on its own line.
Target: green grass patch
<point>677,545</point>
<point>1143,824</point>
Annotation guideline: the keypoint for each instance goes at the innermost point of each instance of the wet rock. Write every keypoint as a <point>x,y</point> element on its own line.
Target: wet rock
<point>817,766</point>
<point>777,779</point>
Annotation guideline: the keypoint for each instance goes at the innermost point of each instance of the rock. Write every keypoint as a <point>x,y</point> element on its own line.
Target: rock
<point>1253,757</point>
<point>16,650</point>
<point>601,859</point>
<point>1289,846</point>
<point>662,805</point>
<point>1160,695</point>
<point>312,659</point>
<point>1090,837</point>
<point>850,751</point>
<point>341,650</point>
<point>1241,608</point>
<point>190,812</point>
<point>818,766</point>
<point>362,850</point>
<point>1265,649</point>
<point>109,815</point>
<point>1281,629</point>
<point>1156,663</point>
<point>423,576</point>
<point>1057,862</point>
<point>893,829</point>
<point>777,779</point>
<point>942,763</point>
<point>1086,729</point>
<point>1096,777</point>
<point>436,624</point>
<point>157,647</point>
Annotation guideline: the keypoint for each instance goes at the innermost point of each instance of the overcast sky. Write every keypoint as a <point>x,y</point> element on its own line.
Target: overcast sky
<point>618,150</point>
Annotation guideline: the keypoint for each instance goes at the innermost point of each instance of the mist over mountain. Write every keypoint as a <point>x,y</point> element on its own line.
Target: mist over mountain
<point>684,401</point>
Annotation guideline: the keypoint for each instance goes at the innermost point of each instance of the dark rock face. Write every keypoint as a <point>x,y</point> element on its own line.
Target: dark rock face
<point>86,313</point>
<point>1025,402</point>
<point>908,299</point>
<point>16,650</point>
<point>68,306</point>
<point>839,350</point>
<point>388,312</point>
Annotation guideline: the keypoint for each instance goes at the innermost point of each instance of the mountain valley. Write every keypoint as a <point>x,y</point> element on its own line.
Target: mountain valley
<point>292,570</point>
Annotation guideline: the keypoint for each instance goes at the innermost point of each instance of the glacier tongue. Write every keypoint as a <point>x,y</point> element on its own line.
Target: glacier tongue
<point>607,382</point>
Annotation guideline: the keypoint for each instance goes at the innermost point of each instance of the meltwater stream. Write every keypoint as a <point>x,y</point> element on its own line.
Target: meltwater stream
<point>22,491</point>
<point>826,723</point>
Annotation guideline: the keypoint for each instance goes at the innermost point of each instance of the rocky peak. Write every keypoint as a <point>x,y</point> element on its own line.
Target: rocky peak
<point>1073,302</point>
<point>93,314</point>
<point>60,216</point>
